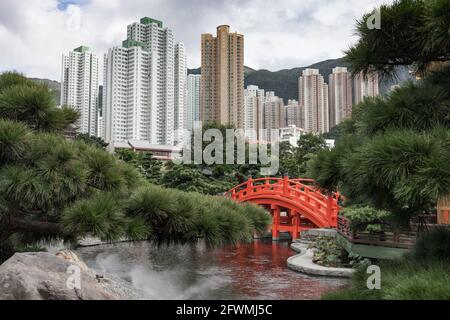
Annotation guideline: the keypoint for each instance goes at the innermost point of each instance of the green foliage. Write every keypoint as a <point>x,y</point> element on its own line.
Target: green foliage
<point>190,178</point>
<point>365,218</point>
<point>294,160</point>
<point>15,139</point>
<point>421,107</point>
<point>412,32</point>
<point>434,245</point>
<point>401,280</point>
<point>35,106</point>
<point>180,216</point>
<point>10,79</point>
<point>92,140</point>
<point>328,253</point>
<point>150,168</point>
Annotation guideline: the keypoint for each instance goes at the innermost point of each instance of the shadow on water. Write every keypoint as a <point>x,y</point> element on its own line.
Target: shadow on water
<point>250,271</point>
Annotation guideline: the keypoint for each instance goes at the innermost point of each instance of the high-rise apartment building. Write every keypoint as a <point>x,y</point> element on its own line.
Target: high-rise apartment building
<point>222,82</point>
<point>365,86</point>
<point>100,122</point>
<point>127,93</point>
<point>192,113</point>
<point>340,95</point>
<point>274,115</point>
<point>144,82</point>
<point>253,111</point>
<point>294,115</point>
<point>79,87</point>
<point>313,97</point>
<point>180,92</point>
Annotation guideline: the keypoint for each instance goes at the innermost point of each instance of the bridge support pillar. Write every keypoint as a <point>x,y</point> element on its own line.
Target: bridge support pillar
<point>295,222</point>
<point>275,222</point>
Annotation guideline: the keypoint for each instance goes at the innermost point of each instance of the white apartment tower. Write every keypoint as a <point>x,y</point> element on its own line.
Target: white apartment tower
<point>313,97</point>
<point>142,77</point>
<point>365,86</point>
<point>340,97</point>
<point>79,87</point>
<point>253,111</point>
<point>180,90</point>
<point>127,93</point>
<point>192,113</point>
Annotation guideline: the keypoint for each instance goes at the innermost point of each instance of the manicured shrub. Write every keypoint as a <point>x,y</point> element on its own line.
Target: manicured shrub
<point>365,218</point>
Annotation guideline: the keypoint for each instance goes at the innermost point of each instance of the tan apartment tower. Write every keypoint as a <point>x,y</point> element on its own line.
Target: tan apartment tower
<point>222,78</point>
<point>365,86</point>
<point>313,99</point>
<point>340,89</point>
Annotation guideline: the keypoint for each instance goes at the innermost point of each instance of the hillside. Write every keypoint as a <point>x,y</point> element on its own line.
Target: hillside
<point>285,82</point>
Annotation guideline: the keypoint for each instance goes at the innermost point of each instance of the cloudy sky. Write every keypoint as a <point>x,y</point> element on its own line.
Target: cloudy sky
<point>278,34</point>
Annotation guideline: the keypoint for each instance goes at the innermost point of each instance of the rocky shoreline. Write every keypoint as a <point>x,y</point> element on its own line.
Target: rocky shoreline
<point>60,276</point>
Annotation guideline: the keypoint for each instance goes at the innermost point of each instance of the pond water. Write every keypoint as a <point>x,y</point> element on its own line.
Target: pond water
<point>250,271</point>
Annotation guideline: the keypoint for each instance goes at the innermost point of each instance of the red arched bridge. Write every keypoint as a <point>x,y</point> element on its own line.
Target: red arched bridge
<point>295,204</point>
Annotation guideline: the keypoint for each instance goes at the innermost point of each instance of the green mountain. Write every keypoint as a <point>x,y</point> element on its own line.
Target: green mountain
<point>285,82</point>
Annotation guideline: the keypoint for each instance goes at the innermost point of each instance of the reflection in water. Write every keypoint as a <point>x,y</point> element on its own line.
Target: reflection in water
<point>250,271</point>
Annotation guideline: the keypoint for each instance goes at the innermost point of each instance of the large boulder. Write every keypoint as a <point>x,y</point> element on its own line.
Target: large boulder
<point>45,276</point>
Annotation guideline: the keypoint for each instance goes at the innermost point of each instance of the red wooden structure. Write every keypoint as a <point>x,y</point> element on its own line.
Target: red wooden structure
<point>295,204</point>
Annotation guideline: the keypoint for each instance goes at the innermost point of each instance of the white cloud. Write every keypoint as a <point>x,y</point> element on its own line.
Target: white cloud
<point>278,35</point>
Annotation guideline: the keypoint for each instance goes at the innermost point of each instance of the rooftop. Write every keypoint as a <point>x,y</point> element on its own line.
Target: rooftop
<point>147,20</point>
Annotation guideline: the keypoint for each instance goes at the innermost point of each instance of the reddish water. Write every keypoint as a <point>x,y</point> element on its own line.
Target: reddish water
<point>252,271</point>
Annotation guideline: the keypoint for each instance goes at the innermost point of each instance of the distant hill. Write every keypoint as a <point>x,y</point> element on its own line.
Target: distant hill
<point>54,86</point>
<point>285,82</point>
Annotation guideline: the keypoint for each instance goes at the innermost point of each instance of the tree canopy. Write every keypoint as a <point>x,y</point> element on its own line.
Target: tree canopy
<point>412,32</point>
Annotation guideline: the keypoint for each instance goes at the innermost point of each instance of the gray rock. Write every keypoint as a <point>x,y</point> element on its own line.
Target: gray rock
<point>312,234</point>
<point>44,276</point>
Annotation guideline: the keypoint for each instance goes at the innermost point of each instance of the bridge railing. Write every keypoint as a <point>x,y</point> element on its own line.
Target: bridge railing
<point>294,189</point>
<point>387,238</point>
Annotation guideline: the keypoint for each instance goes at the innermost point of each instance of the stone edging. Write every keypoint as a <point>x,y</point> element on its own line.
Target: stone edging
<point>302,262</point>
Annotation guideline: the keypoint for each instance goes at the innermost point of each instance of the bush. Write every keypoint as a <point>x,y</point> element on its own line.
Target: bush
<point>328,253</point>
<point>180,216</point>
<point>434,245</point>
<point>365,218</point>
